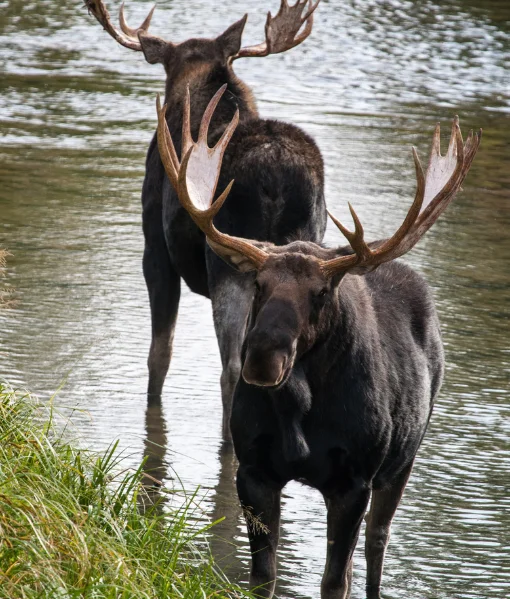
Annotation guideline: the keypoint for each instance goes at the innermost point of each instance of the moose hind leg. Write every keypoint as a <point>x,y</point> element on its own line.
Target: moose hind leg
<point>260,499</point>
<point>345,515</point>
<point>164,287</point>
<point>382,510</point>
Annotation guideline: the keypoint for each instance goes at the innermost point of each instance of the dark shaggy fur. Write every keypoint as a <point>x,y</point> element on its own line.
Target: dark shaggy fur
<point>277,196</point>
<point>359,362</point>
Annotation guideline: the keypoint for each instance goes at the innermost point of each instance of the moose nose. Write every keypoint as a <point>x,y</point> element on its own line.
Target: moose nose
<point>268,356</point>
<point>265,369</point>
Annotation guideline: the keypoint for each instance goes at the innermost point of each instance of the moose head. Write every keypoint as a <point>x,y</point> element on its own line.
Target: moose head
<point>287,29</point>
<point>298,285</point>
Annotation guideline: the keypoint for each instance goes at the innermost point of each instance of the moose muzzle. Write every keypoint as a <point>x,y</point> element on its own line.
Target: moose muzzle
<point>270,354</point>
<point>266,369</point>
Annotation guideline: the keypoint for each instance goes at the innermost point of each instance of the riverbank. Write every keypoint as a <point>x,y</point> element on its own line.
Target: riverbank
<point>70,523</point>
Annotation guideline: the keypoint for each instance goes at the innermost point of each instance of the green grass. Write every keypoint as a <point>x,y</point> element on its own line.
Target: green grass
<point>70,523</point>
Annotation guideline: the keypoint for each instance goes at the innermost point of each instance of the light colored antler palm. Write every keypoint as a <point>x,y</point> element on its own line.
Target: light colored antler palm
<point>434,192</point>
<point>195,178</point>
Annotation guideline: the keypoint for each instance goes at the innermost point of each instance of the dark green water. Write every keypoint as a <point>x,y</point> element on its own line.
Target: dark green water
<point>76,115</point>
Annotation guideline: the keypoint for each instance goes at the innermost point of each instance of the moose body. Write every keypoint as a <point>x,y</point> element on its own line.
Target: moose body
<point>277,196</point>
<point>341,362</point>
<point>355,405</point>
<point>372,373</point>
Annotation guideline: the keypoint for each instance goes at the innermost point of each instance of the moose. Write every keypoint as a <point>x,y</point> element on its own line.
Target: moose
<point>341,362</point>
<point>278,193</point>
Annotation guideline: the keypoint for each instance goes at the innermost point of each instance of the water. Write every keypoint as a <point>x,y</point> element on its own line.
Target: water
<point>76,115</point>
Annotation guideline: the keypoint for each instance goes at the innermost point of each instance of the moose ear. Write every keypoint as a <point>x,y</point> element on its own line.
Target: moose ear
<point>230,40</point>
<point>154,48</point>
<point>234,259</point>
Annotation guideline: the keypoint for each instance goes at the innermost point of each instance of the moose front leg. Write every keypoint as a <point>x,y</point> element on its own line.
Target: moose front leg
<point>260,499</point>
<point>382,510</point>
<point>231,296</point>
<point>345,514</point>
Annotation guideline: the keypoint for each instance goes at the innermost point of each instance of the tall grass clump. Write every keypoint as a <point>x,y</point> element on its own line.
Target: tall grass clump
<point>70,523</point>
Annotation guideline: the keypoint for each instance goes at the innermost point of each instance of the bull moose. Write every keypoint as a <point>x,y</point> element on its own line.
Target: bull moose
<point>341,363</point>
<point>279,182</point>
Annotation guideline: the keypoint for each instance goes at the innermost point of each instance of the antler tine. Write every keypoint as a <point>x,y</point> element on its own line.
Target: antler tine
<point>311,10</point>
<point>129,30</point>
<point>187,140</point>
<point>434,192</point>
<point>99,10</point>
<point>308,18</point>
<point>166,146</point>
<point>196,178</point>
<point>454,136</point>
<point>282,30</point>
<point>208,114</point>
<point>356,238</point>
<point>224,140</point>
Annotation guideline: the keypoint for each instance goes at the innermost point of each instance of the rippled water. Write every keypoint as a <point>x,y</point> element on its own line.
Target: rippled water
<point>76,115</point>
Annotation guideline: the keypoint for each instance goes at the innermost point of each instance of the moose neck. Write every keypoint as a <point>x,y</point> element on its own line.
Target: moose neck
<point>347,328</point>
<point>203,81</point>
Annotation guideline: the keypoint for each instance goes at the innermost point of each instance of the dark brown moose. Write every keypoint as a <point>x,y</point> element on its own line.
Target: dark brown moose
<point>340,371</point>
<point>278,191</point>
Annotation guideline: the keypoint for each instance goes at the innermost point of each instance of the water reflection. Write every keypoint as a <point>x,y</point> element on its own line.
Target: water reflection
<point>76,115</point>
<point>155,449</point>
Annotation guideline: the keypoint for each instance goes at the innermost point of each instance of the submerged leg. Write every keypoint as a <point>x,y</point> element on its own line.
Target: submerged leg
<point>164,287</point>
<point>345,515</point>
<point>382,510</point>
<point>260,499</point>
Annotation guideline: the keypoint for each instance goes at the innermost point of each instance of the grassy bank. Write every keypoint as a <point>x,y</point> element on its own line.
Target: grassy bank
<point>70,524</point>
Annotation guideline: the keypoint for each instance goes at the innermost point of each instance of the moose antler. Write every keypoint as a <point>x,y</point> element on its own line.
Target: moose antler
<point>127,37</point>
<point>195,178</point>
<point>434,192</point>
<point>282,30</point>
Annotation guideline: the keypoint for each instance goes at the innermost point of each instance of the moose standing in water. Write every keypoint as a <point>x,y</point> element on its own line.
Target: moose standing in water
<point>342,360</point>
<point>278,193</point>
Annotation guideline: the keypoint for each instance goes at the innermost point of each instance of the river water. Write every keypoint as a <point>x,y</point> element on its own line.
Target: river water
<point>76,115</point>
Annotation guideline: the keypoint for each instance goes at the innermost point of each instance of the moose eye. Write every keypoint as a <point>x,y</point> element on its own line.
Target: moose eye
<point>322,292</point>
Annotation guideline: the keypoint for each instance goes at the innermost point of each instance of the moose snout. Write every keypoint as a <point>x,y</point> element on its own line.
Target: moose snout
<point>265,370</point>
<point>268,359</point>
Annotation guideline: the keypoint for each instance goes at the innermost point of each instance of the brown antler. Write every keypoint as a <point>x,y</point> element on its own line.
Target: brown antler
<point>128,37</point>
<point>282,30</point>
<point>196,177</point>
<point>434,192</point>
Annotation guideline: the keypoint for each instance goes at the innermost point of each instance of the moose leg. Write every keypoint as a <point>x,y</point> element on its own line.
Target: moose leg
<point>260,499</point>
<point>164,287</point>
<point>382,510</point>
<point>231,297</point>
<point>345,515</point>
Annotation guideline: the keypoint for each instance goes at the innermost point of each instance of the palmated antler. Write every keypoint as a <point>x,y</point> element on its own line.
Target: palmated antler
<point>434,192</point>
<point>195,178</point>
<point>128,36</point>
<point>282,30</point>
